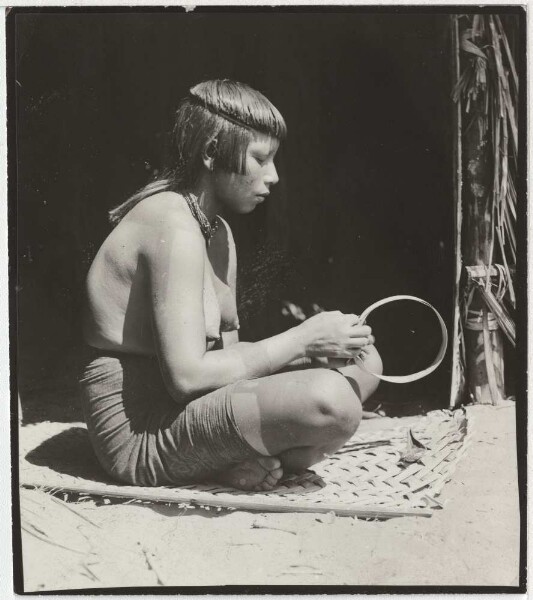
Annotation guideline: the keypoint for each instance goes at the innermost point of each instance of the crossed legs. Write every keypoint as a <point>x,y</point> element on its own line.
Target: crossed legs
<point>295,418</point>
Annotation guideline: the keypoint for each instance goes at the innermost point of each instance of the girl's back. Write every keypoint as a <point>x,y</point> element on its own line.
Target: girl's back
<point>118,310</point>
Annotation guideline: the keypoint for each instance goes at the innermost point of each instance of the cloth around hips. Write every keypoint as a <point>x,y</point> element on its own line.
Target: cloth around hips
<point>141,436</point>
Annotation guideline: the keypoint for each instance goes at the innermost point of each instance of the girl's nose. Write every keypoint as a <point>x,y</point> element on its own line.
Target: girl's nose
<point>271,176</point>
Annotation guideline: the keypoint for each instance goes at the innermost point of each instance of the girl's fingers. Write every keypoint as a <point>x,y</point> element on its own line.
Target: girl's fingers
<point>343,355</point>
<point>362,331</point>
<point>360,342</point>
<point>352,319</point>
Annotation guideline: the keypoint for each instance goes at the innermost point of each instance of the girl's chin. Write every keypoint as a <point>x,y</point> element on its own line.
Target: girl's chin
<point>243,208</point>
<point>247,209</point>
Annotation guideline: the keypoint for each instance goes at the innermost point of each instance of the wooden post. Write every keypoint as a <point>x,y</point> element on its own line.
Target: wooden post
<point>458,375</point>
<point>483,340</point>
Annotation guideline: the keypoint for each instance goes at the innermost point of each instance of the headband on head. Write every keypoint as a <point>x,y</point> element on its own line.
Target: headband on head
<point>220,112</point>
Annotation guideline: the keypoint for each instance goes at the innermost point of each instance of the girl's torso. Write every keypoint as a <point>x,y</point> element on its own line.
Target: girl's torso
<point>118,307</point>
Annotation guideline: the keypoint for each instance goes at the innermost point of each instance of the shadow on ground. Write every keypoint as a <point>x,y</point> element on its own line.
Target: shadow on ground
<point>69,452</point>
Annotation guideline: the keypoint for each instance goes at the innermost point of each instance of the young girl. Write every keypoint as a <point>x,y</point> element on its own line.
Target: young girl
<point>170,394</point>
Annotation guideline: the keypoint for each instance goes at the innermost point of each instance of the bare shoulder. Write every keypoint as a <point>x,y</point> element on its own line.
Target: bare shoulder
<point>162,218</point>
<point>165,209</point>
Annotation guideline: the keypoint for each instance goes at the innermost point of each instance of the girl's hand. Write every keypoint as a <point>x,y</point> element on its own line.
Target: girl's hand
<point>335,335</point>
<point>329,362</point>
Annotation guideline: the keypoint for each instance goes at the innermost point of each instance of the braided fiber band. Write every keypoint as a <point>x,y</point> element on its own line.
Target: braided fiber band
<point>228,117</point>
<point>436,362</point>
<point>219,111</point>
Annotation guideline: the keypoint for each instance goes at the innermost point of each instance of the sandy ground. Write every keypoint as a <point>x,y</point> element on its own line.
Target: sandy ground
<point>473,540</point>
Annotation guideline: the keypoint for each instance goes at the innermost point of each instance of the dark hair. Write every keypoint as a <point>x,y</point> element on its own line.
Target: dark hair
<point>220,113</point>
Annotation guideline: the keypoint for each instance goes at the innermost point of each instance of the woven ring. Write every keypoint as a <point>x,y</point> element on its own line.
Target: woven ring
<point>440,354</point>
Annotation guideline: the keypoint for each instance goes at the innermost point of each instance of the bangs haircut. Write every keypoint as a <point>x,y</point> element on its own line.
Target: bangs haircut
<point>228,115</point>
<point>222,116</point>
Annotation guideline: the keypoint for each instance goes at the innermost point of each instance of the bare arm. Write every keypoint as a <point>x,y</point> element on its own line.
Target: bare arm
<point>174,257</point>
<point>173,253</point>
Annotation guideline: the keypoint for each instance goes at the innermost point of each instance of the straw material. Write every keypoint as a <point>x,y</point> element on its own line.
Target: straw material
<point>380,474</point>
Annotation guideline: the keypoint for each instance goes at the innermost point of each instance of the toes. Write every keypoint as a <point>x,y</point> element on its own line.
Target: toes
<point>268,483</point>
<point>317,480</point>
<point>270,480</point>
<point>270,463</point>
<point>306,484</point>
<point>277,473</point>
<point>263,487</point>
<point>262,474</point>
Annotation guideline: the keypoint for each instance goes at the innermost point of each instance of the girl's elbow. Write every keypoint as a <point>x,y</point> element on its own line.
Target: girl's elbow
<point>186,387</point>
<point>180,386</point>
<point>187,380</point>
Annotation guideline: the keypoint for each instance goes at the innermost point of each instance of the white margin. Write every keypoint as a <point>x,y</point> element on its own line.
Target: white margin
<point>6,557</point>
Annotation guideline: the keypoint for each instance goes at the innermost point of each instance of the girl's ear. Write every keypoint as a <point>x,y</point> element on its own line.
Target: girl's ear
<point>208,155</point>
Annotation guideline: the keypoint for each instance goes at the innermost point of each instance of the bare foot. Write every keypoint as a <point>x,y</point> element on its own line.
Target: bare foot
<point>258,475</point>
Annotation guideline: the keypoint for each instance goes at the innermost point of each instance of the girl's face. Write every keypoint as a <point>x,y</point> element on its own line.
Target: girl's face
<point>242,193</point>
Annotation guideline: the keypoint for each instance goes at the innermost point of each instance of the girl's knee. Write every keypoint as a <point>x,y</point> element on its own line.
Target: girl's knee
<point>333,405</point>
<point>311,408</point>
<point>373,364</point>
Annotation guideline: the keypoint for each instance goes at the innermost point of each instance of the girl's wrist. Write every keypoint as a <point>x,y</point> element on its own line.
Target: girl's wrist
<point>301,341</point>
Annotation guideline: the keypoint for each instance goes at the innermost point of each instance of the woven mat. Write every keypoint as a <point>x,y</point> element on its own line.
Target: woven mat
<point>365,478</point>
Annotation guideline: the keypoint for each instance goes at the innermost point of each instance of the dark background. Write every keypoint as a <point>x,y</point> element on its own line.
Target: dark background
<point>364,208</point>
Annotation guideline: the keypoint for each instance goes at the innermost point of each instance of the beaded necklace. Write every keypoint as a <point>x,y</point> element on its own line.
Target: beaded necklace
<point>208,230</point>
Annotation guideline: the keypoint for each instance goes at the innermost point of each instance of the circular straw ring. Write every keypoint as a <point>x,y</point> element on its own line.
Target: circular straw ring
<point>440,354</point>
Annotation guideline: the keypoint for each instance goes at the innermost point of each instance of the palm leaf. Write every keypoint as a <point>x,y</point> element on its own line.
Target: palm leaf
<point>488,86</point>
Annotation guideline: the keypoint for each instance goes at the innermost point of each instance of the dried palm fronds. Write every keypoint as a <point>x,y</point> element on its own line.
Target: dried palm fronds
<point>63,548</point>
<point>488,88</point>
